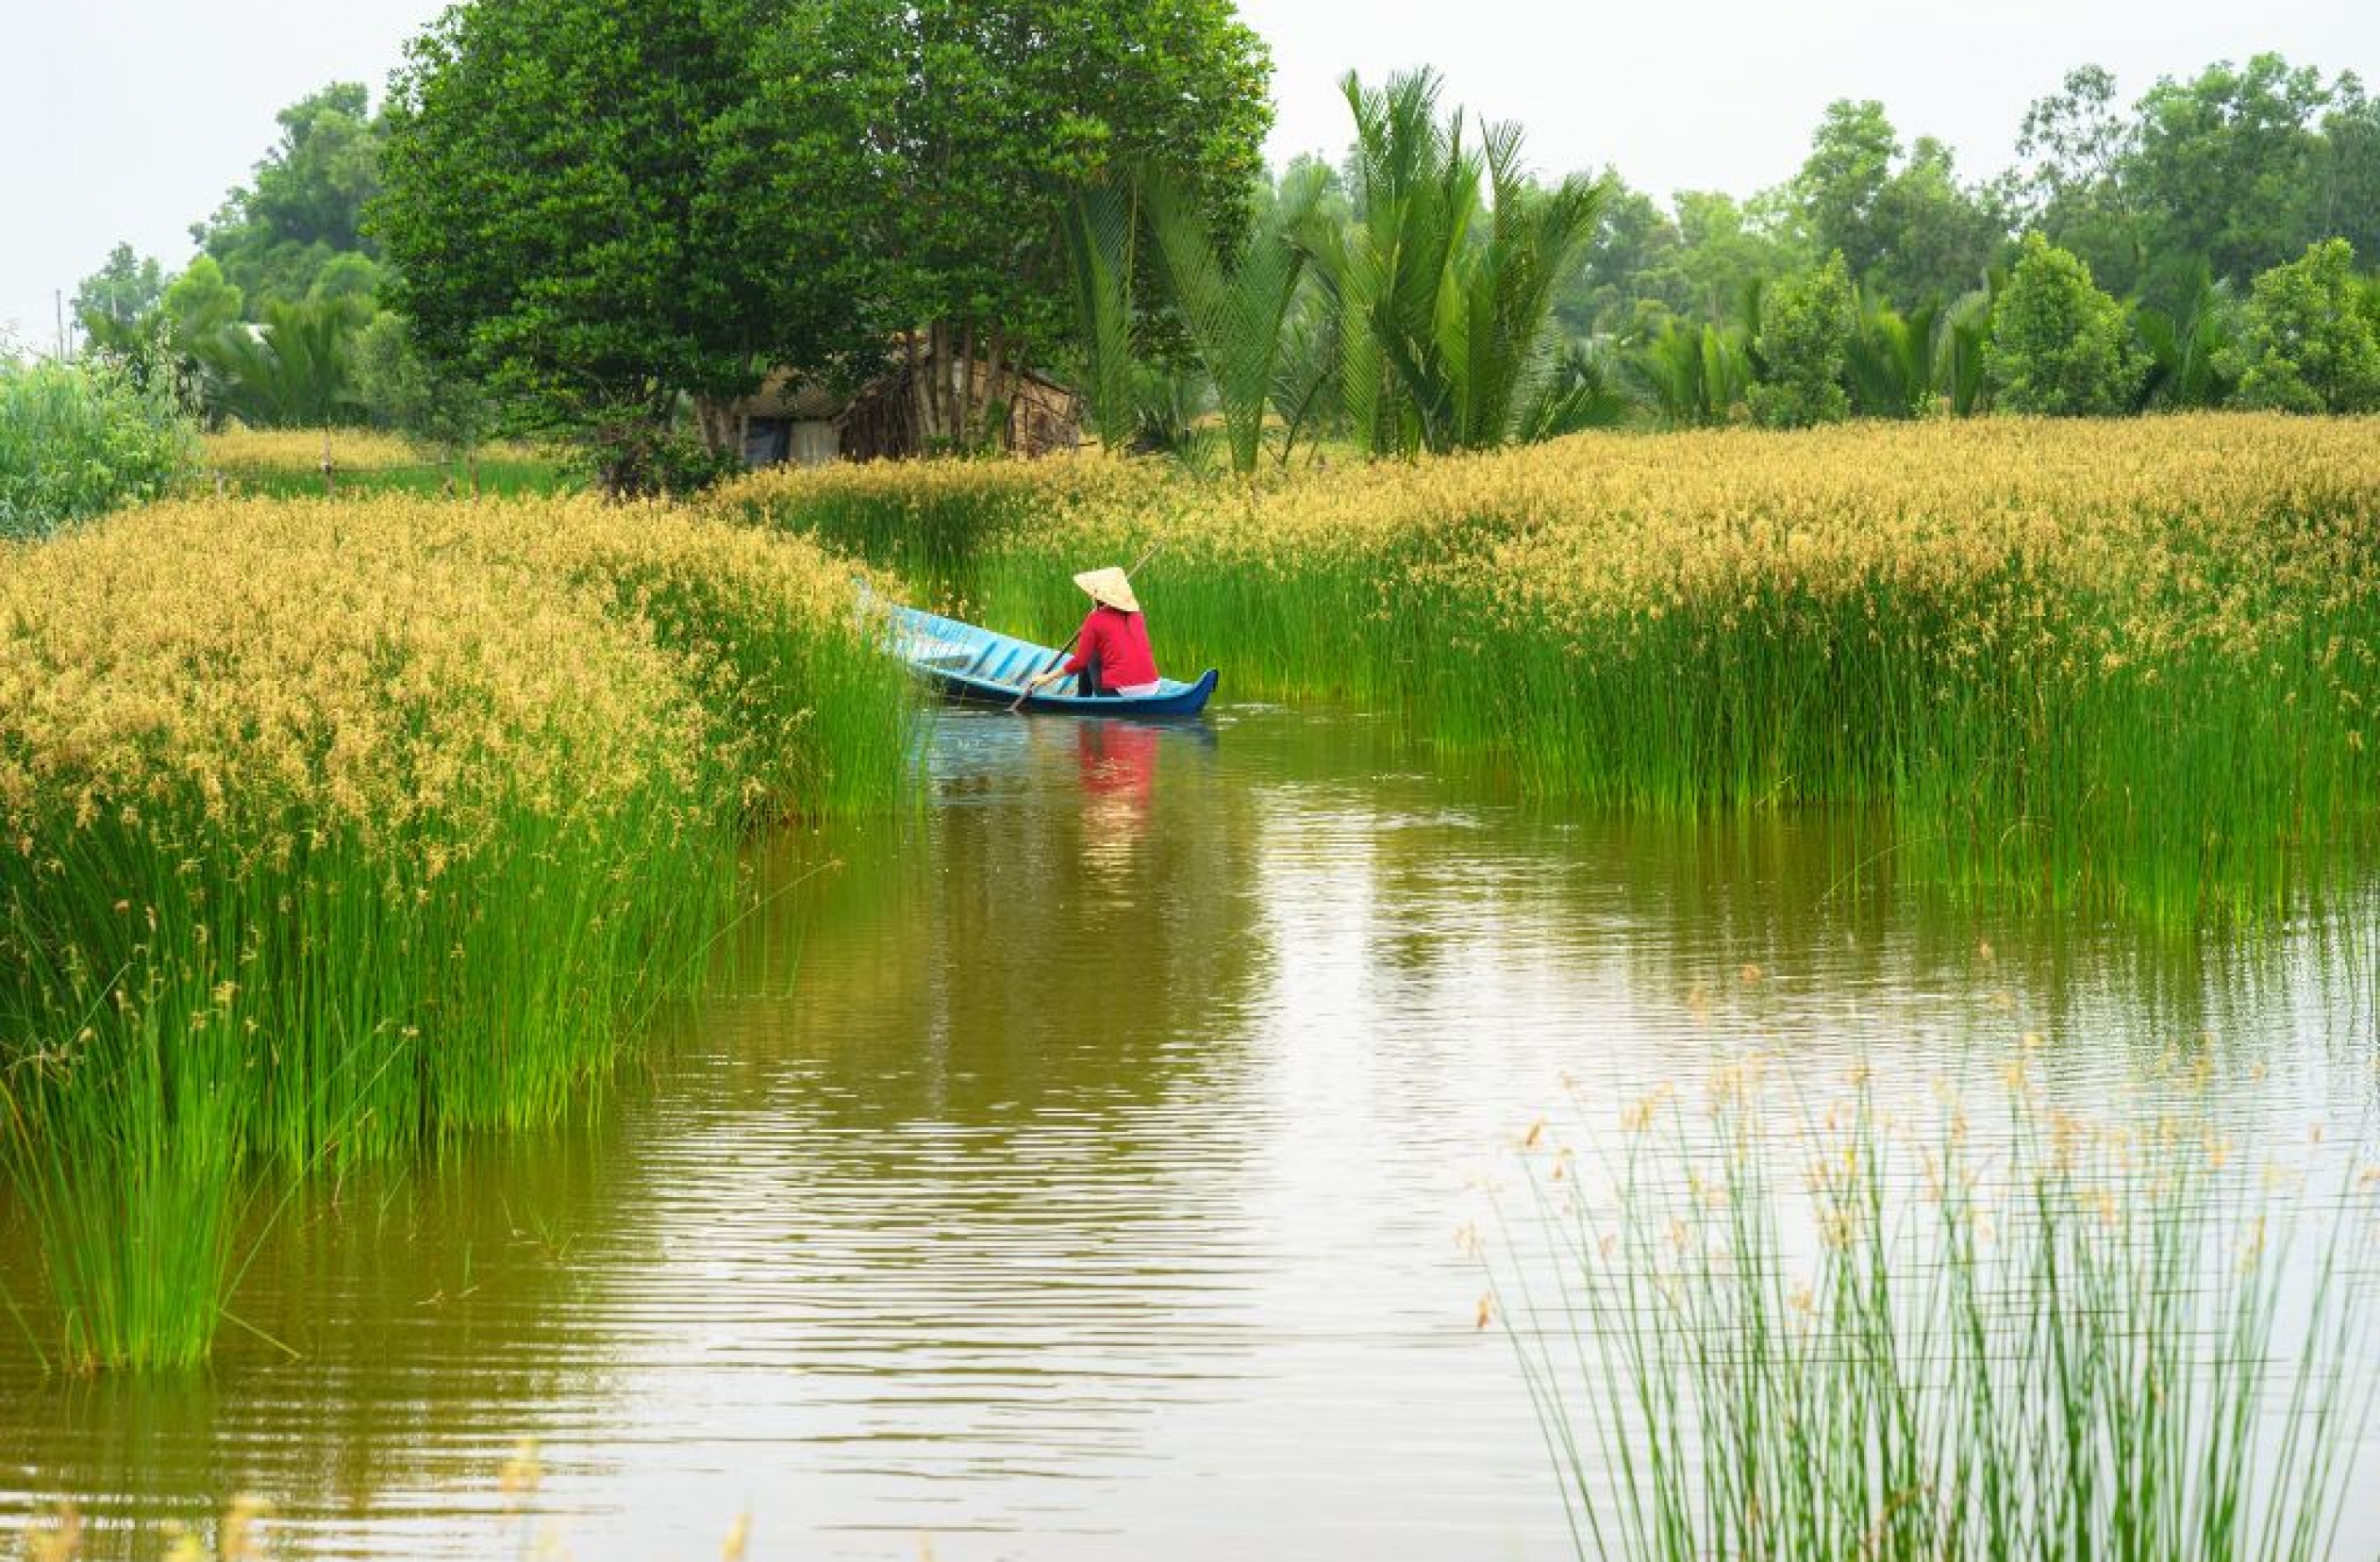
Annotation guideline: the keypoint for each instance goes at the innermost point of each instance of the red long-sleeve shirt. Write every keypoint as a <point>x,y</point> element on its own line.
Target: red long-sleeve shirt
<point>1121,641</point>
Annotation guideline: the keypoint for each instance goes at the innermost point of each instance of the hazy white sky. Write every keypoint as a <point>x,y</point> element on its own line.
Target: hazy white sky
<point>129,118</point>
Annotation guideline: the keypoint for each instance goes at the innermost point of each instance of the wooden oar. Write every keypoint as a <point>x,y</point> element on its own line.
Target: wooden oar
<point>1068,649</point>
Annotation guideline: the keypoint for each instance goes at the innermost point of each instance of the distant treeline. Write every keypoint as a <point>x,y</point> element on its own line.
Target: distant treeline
<point>699,211</point>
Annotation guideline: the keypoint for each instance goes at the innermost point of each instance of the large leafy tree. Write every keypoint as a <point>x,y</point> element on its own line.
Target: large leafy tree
<point>2232,172</point>
<point>1629,269</point>
<point>119,294</point>
<point>1729,249</point>
<point>1940,236</point>
<point>117,307</point>
<point>304,209</point>
<point>2079,144</point>
<point>2228,165</point>
<point>1842,182</point>
<point>1905,226</point>
<point>917,156</point>
<point>551,205</point>
<point>2349,199</point>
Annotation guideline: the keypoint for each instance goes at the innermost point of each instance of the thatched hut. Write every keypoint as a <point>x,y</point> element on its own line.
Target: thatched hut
<point>900,414</point>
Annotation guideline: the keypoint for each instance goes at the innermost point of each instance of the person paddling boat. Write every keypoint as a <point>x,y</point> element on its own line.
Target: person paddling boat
<point>1112,653</point>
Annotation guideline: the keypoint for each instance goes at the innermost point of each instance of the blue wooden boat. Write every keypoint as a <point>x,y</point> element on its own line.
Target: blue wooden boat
<point>977,666</point>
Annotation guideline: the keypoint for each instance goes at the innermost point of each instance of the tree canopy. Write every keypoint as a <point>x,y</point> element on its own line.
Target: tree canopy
<point>549,206</point>
<point>2310,341</point>
<point>304,210</point>
<point>605,207</point>
<point>2239,169</point>
<point>915,157</point>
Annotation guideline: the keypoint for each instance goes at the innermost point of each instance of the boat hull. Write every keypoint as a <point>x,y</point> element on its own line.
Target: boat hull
<point>976,666</point>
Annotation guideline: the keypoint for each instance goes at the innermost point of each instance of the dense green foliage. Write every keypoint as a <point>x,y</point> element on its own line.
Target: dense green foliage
<point>849,188</point>
<point>1444,283</point>
<point>404,390</point>
<point>79,439</point>
<point>549,207</point>
<point>817,186</point>
<point>2058,344</point>
<point>259,325</point>
<point>119,294</point>
<point>918,160</point>
<point>2310,339</point>
<point>1239,309</point>
<point>2238,169</point>
<point>1906,228</point>
<point>2175,202</point>
<point>292,371</point>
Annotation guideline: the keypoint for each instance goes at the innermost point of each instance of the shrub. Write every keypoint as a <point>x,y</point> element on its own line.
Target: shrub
<point>2309,343</point>
<point>78,439</point>
<point>1804,338</point>
<point>2059,345</point>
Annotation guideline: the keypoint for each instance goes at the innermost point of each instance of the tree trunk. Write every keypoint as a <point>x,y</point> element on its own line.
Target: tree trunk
<point>716,420</point>
<point>996,392</point>
<point>918,398</point>
<point>950,414</point>
<point>973,418</point>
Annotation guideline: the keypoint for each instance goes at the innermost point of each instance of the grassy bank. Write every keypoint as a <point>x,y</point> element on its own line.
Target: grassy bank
<point>2110,665</point>
<point>1761,1331</point>
<point>337,829</point>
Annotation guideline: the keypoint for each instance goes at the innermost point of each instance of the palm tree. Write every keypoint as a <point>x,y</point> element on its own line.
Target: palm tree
<point>1694,375</point>
<point>1100,232</point>
<point>1237,308</point>
<point>1581,392</point>
<point>1961,344</point>
<point>1443,284</point>
<point>292,371</point>
<point>1890,359</point>
<point>2186,345</point>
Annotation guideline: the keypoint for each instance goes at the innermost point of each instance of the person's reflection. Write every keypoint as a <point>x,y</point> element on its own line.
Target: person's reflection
<point>1119,770</point>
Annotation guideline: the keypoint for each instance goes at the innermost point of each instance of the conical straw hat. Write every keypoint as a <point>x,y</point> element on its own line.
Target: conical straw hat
<point>1110,587</point>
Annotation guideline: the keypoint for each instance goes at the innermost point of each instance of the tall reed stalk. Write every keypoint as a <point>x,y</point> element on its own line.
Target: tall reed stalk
<point>2081,1341</point>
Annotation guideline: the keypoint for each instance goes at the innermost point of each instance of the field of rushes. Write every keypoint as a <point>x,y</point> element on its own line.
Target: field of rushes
<point>288,463</point>
<point>2119,666</point>
<point>337,829</point>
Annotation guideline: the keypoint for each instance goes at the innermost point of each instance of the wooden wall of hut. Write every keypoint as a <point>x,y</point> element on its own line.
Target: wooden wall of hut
<point>888,420</point>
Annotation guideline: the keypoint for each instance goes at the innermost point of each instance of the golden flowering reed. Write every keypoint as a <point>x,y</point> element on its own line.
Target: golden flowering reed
<point>2126,663</point>
<point>330,830</point>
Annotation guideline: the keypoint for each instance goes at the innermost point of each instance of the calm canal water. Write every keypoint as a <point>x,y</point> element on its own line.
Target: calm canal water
<point>1072,1171</point>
